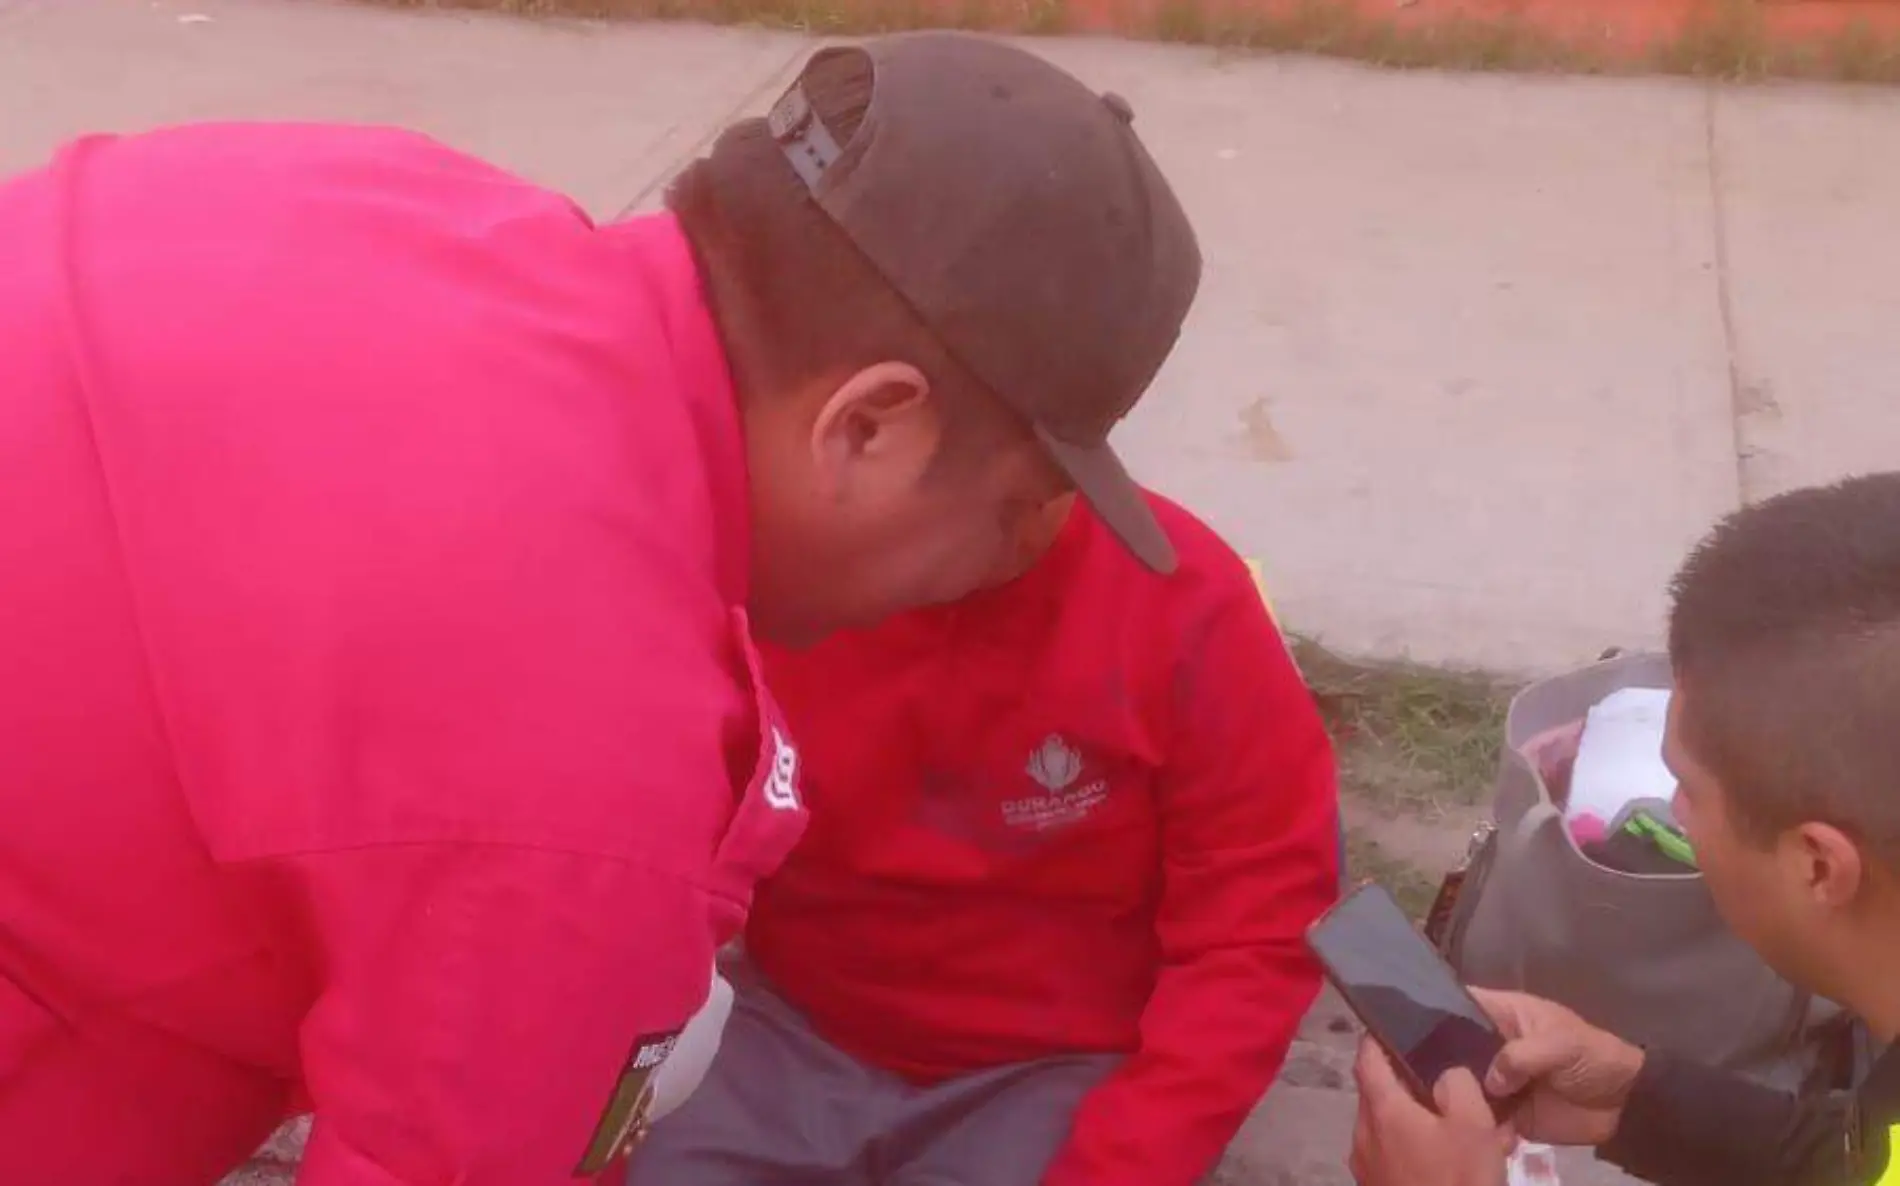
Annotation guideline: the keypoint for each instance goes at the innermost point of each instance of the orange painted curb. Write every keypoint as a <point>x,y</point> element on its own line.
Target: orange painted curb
<point>1615,26</point>
<point>1616,30</point>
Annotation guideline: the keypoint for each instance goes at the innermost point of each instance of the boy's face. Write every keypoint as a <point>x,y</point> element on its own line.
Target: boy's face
<point>1791,899</point>
<point>1740,876</point>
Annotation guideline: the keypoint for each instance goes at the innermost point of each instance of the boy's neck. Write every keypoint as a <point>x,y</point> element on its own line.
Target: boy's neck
<point>1871,978</point>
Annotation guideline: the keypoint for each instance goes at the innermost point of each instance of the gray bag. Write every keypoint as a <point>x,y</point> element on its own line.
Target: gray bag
<point>1645,956</point>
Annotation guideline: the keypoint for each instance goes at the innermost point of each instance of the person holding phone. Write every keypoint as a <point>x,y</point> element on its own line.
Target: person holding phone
<point>1784,736</point>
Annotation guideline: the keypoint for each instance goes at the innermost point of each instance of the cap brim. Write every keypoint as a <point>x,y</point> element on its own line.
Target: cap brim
<point>1100,477</point>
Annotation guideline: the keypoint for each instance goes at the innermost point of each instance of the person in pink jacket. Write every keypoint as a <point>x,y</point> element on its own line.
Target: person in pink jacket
<point>380,729</point>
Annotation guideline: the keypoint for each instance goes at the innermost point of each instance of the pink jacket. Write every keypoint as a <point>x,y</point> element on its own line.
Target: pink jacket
<point>378,724</point>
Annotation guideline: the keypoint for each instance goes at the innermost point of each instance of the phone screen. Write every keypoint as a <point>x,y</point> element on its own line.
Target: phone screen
<point>1404,992</point>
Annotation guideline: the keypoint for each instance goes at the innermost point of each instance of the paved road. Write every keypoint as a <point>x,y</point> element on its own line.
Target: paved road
<point>1477,356</point>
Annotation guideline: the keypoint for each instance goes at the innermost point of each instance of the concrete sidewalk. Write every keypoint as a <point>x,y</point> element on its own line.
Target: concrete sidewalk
<point>1477,357</point>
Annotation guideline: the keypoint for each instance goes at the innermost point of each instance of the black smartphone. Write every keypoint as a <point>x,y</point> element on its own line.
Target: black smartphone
<point>1407,996</point>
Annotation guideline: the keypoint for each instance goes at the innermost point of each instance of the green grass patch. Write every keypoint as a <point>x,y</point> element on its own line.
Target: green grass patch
<point>1415,743</point>
<point>1411,738</point>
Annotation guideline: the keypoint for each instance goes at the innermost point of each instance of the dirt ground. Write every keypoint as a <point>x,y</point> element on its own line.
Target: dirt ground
<point>1417,753</point>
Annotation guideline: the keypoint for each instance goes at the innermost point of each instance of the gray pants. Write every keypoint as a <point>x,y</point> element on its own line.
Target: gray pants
<point>780,1106</point>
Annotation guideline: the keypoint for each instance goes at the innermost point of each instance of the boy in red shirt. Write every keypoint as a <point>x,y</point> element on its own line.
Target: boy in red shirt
<point>1047,923</point>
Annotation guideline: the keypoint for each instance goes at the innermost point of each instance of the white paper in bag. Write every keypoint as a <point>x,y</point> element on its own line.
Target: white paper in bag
<point>1619,760</point>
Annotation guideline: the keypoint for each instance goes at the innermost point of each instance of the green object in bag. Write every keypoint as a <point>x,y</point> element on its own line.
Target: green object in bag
<point>1667,840</point>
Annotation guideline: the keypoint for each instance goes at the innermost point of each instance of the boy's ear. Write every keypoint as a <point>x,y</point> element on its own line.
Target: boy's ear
<point>1830,863</point>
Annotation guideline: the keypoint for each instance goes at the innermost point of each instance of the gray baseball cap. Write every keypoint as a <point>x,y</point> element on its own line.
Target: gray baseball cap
<point>1018,214</point>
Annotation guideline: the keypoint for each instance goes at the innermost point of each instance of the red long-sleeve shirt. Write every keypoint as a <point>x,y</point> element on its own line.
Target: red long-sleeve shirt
<point>1091,810</point>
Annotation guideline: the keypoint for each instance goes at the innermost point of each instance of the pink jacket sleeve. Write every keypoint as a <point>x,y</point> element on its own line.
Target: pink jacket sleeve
<point>429,497</point>
<point>482,1005</point>
<point>1249,850</point>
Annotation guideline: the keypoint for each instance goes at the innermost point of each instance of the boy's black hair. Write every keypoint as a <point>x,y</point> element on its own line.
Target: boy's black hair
<point>1785,639</point>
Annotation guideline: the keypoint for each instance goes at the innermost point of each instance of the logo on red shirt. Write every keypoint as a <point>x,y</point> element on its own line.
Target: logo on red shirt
<point>1055,766</point>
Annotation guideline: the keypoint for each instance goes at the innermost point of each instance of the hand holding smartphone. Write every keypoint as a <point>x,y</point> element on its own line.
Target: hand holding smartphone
<point>1405,994</point>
